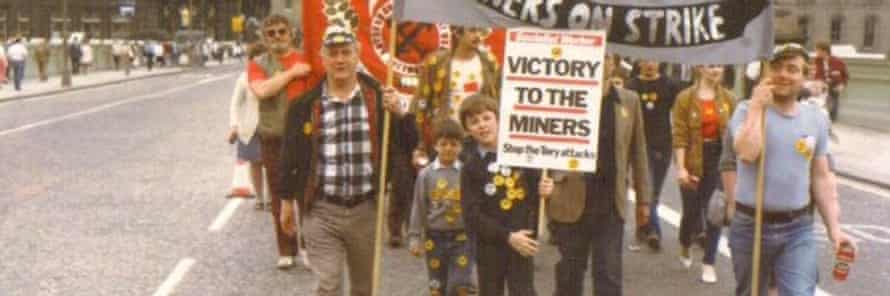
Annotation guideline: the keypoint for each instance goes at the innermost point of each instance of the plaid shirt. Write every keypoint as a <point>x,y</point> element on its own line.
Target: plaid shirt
<point>345,167</point>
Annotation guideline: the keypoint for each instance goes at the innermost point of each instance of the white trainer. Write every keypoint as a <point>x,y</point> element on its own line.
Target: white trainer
<point>708,275</point>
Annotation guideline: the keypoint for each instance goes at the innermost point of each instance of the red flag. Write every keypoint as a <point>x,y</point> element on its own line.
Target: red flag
<point>415,40</point>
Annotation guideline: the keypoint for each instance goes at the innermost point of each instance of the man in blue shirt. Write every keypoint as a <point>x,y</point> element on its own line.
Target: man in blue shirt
<point>795,150</point>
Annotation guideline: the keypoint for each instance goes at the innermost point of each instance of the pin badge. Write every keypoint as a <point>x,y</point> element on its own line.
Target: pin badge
<point>506,204</point>
<point>510,183</point>
<point>441,183</point>
<point>434,263</point>
<point>498,180</point>
<point>650,105</point>
<point>429,245</point>
<point>490,189</point>
<point>307,128</point>
<point>505,171</point>
<point>462,261</point>
<point>492,168</point>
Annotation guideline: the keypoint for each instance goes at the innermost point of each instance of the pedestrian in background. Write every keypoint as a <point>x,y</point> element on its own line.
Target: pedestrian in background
<point>17,56</point>
<point>41,56</point>
<point>75,53</point>
<point>86,61</point>
<point>148,51</point>
<point>3,66</point>
<point>699,119</point>
<point>243,120</point>
<point>833,71</point>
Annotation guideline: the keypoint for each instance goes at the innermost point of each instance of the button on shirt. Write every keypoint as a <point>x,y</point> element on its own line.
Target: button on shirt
<point>345,167</point>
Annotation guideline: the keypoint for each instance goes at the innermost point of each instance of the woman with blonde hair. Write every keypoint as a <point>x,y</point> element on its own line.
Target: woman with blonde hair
<point>699,118</point>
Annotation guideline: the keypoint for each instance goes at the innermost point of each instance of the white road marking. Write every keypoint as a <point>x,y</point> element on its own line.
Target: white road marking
<point>863,187</point>
<point>223,217</point>
<point>147,97</point>
<point>175,277</point>
<point>673,217</point>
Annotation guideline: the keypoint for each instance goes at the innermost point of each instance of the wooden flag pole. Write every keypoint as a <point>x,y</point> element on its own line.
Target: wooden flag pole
<point>381,189</point>
<point>758,197</point>
<point>542,210</point>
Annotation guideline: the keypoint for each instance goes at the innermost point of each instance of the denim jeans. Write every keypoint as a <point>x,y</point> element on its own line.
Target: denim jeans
<point>18,73</point>
<point>659,161</point>
<point>453,262</point>
<point>788,251</point>
<point>695,205</point>
<point>600,236</point>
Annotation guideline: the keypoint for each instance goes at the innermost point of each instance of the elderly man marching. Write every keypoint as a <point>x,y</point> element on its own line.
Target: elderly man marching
<point>331,158</point>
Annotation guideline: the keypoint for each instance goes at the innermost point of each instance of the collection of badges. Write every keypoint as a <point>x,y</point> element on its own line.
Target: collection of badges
<point>450,196</point>
<point>509,180</point>
<point>650,99</point>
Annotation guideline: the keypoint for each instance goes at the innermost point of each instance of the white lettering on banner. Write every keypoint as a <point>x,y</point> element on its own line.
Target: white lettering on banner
<point>698,24</point>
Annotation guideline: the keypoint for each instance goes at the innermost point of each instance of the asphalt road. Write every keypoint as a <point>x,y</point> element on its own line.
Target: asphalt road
<point>113,191</point>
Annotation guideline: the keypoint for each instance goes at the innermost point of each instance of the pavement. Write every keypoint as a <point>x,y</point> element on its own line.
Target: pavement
<point>119,190</point>
<point>862,154</point>
<point>35,88</point>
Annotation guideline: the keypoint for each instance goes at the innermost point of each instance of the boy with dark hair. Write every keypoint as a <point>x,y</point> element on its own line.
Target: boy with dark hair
<point>437,215</point>
<point>500,206</point>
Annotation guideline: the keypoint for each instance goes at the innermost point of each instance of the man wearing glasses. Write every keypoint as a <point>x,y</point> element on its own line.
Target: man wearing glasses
<point>277,78</point>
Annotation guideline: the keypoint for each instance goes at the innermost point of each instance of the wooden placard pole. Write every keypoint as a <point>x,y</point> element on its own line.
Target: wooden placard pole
<point>542,211</point>
<point>758,197</point>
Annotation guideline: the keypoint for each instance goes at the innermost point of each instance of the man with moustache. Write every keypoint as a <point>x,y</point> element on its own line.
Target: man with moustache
<point>588,209</point>
<point>657,95</point>
<point>796,163</point>
<point>277,78</point>
<point>330,161</point>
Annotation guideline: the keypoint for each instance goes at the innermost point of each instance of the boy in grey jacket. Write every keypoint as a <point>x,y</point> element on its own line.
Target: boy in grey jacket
<point>437,226</point>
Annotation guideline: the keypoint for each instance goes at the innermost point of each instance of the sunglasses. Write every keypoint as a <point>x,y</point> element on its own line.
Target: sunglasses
<point>275,33</point>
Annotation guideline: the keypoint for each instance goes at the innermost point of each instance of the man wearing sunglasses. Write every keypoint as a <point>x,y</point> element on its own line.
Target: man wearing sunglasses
<point>277,78</point>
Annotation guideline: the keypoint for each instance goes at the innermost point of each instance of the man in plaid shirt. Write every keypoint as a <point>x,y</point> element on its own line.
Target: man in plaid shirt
<point>330,161</point>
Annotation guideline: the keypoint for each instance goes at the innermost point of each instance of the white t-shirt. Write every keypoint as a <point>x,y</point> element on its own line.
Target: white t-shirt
<point>466,80</point>
<point>17,52</point>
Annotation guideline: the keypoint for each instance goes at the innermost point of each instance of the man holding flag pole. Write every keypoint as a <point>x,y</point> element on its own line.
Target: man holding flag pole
<point>334,148</point>
<point>793,159</point>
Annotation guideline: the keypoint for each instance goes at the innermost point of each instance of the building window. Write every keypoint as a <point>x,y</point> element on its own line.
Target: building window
<point>4,33</point>
<point>871,26</point>
<point>803,23</point>
<point>24,25</point>
<point>837,26</point>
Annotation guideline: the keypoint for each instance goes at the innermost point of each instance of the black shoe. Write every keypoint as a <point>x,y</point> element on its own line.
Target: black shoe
<point>395,242</point>
<point>654,242</point>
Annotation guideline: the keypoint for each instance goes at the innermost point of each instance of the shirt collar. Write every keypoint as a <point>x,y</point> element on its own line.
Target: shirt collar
<point>437,165</point>
<point>482,151</point>
<point>328,97</point>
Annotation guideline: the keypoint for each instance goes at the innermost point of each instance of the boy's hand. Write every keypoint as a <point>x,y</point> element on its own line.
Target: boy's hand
<point>545,187</point>
<point>416,250</point>
<point>522,242</point>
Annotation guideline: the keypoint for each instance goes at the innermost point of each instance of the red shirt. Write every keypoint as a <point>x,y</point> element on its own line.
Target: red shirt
<point>296,87</point>
<point>710,120</point>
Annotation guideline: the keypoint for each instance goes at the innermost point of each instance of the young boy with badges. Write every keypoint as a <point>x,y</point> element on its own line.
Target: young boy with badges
<point>500,206</point>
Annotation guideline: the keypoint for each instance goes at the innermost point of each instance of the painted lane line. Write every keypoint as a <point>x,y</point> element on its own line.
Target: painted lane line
<point>146,97</point>
<point>175,277</point>
<point>863,187</point>
<point>672,217</point>
<point>223,217</point>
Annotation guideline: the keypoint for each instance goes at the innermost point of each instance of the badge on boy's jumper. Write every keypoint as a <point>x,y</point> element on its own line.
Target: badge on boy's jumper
<point>492,168</point>
<point>490,189</point>
<point>441,184</point>
<point>498,180</point>
<point>506,204</point>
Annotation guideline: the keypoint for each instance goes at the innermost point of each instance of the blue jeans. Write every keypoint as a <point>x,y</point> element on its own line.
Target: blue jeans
<point>18,73</point>
<point>453,262</point>
<point>788,251</point>
<point>659,161</point>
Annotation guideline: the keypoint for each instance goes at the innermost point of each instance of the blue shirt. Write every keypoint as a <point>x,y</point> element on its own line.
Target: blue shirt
<point>792,142</point>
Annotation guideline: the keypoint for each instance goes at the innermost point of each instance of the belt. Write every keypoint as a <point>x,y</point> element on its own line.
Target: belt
<point>348,202</point>
<point>776,217</point>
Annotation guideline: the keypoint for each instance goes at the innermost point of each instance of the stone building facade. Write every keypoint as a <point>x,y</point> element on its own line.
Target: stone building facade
<point>865,24</point>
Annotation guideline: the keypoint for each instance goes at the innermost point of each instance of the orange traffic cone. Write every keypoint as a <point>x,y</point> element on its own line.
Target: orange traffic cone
<point>241,185</point>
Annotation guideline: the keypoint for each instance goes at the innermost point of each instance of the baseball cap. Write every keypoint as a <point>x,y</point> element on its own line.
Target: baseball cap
<point>789,50</point>
<point>337,35</point>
